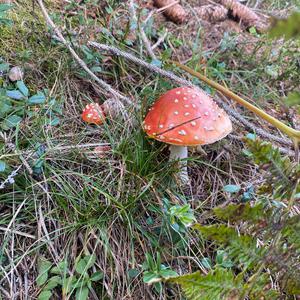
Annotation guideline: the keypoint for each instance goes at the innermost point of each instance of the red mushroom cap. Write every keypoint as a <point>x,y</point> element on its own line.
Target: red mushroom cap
<point>93,113</point>
<point>186,116</point>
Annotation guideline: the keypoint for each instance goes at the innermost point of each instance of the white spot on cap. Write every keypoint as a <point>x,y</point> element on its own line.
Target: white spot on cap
<point>171,125</point>
<point>182,132</point>
<point>176,100</point>
<point>176,140</point>
<point>162,137</point>
<point>196,137</point>
<point>193,123</point>
<point>89,115</point>
<point>161,126</point>
<point>176,112</point>
<point>193,96</point>
<point>186,105</point>
<point>206,113</point>
<point>184,98</point>
<point>194,105</point>
<point>187,114</point>
<point>219,115</point>
<point>178,93</point>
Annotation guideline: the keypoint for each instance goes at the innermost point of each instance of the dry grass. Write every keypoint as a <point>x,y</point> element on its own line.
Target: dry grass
<point>112,207</point>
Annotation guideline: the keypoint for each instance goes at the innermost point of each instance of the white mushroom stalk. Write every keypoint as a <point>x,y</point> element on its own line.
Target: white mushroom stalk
<point>180,153</point>
<point>185,117</point>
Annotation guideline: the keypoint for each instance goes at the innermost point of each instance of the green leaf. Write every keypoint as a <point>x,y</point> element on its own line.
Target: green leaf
<point>2,166</point>
<point>12,121</point>
<point>61,267</point>
<point>43,268</point>
<point>292,99</point>
<point>38,98</point>
<point>287,28</point>
<point>231,188</point>
<point>4,67</point>
<point>14,94</point>
<point>82,293</point>
<point>45,295</point>
<point>150,277</point>
<point>52,283</point>
<point>167,273</point>
<point>132,273</point>
<point>96,276</point>
<point>23,88</point>
<point>206,262</point>
<point>81,266</point>
<point>5,7</point>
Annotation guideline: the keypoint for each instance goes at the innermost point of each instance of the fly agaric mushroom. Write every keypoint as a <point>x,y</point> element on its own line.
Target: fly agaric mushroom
<point>96,114</point>
<point>183,117</point>
<point>93,114</point>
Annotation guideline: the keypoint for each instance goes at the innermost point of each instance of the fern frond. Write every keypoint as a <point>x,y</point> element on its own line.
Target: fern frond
<point>216,285</point>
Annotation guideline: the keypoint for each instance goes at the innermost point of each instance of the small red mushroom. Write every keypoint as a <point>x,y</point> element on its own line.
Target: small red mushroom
<point>93,113</point>
<point>186,116</point>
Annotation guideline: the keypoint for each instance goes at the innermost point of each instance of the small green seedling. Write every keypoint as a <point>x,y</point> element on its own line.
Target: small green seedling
<point>79,282</point>
<point>155,271</point>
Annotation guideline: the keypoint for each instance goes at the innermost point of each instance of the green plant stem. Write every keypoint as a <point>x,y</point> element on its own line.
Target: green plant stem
<point>291,132</point>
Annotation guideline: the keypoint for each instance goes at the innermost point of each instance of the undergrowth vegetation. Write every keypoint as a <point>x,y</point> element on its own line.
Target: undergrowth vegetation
<point>76,225</point>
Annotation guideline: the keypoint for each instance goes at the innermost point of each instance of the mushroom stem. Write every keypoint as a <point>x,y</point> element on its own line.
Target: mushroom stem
<point>180,153</point>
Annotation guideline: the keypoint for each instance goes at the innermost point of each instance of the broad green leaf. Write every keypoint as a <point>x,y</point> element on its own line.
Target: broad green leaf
<point>82,293</point>
<point>287,28</point>
<point>206,262</point>
<point>293,98</point>
<point>4,67</point>
<point>43,268</point>
<point>38,98</point>
<point>42,278</point>
<point>231,188</point>
<point>52,283</point>
<point>45,295</point>
<point>90,260</point>
<point>15,94</point>
<point>96,276</point>
<point>150,277</point>
<point>167,273</point>
<point>5,7</point>
<point>81,266</point>
<point>133,273</point>
<point>2,166</point>
<point>12,121</point>
<point>23,88</point>
<point>4,108</point>
<point>61,267</point>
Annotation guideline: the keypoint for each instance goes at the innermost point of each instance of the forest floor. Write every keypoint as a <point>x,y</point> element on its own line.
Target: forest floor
<point>104,219</point>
